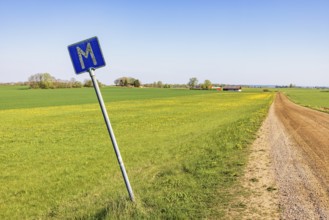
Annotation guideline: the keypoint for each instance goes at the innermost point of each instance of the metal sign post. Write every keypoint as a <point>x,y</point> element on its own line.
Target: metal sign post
<point>80,53</point>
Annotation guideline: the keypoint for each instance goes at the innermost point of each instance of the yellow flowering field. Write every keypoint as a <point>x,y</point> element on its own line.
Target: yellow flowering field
<point>182,155</point>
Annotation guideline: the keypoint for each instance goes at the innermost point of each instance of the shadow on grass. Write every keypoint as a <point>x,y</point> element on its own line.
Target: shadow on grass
<point>102,214</point>
<point>116,209</point>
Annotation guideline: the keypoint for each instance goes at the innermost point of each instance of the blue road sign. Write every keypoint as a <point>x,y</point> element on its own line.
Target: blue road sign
<point>86,54</point>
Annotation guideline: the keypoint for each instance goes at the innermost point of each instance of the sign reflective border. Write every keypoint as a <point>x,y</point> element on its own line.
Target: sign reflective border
<point>86,54</point>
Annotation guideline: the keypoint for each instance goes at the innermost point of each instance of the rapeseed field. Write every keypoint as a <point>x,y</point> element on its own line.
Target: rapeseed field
<point>183,152</point>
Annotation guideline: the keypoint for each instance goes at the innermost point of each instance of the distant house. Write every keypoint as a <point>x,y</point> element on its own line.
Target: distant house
<point>218,88</point>
<point>232,88</point>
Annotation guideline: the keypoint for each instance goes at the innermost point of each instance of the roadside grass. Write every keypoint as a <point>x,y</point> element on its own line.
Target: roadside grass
<point>313,98</point>
<point>183,155</point>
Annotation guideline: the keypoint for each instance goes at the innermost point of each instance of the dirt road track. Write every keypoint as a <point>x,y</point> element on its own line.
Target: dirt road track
<point>291,154</point>
<point>301,162</point>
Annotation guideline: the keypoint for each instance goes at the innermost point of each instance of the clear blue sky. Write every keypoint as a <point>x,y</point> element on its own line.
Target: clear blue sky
<point>225,41</point>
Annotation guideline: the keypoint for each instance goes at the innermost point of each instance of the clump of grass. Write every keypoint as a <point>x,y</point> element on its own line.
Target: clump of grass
<point>254,180</point>
<point>271,188</point>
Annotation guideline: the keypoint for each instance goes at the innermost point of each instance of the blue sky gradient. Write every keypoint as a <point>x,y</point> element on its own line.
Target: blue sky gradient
<point>225,41</point>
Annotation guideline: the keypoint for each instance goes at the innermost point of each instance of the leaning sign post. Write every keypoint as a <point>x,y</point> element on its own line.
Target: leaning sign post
<point>86,56</point>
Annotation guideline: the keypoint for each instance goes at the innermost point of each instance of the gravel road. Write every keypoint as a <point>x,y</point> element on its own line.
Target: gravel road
<point>291,154</point>
<point>301,161</point>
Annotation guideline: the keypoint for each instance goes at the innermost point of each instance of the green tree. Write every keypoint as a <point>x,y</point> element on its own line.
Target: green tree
<point>206,85</point>
<point>41,80</point>
<point>46,81</point>
<point>125,81</point>
<point>74,83</point>
<point>137,83</point>
<point>192,82</point>
<point>159,84</point>
<point>89,83</point>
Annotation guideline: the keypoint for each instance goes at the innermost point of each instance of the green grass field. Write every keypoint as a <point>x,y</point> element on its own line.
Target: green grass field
<point>314,98</point>
<point>183,151</point>
<point>12,97</point>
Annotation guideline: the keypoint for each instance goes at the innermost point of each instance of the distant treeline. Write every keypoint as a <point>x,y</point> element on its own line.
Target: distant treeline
<point>15,84</point>
<point>132,82</point>
<point>46,81</point>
